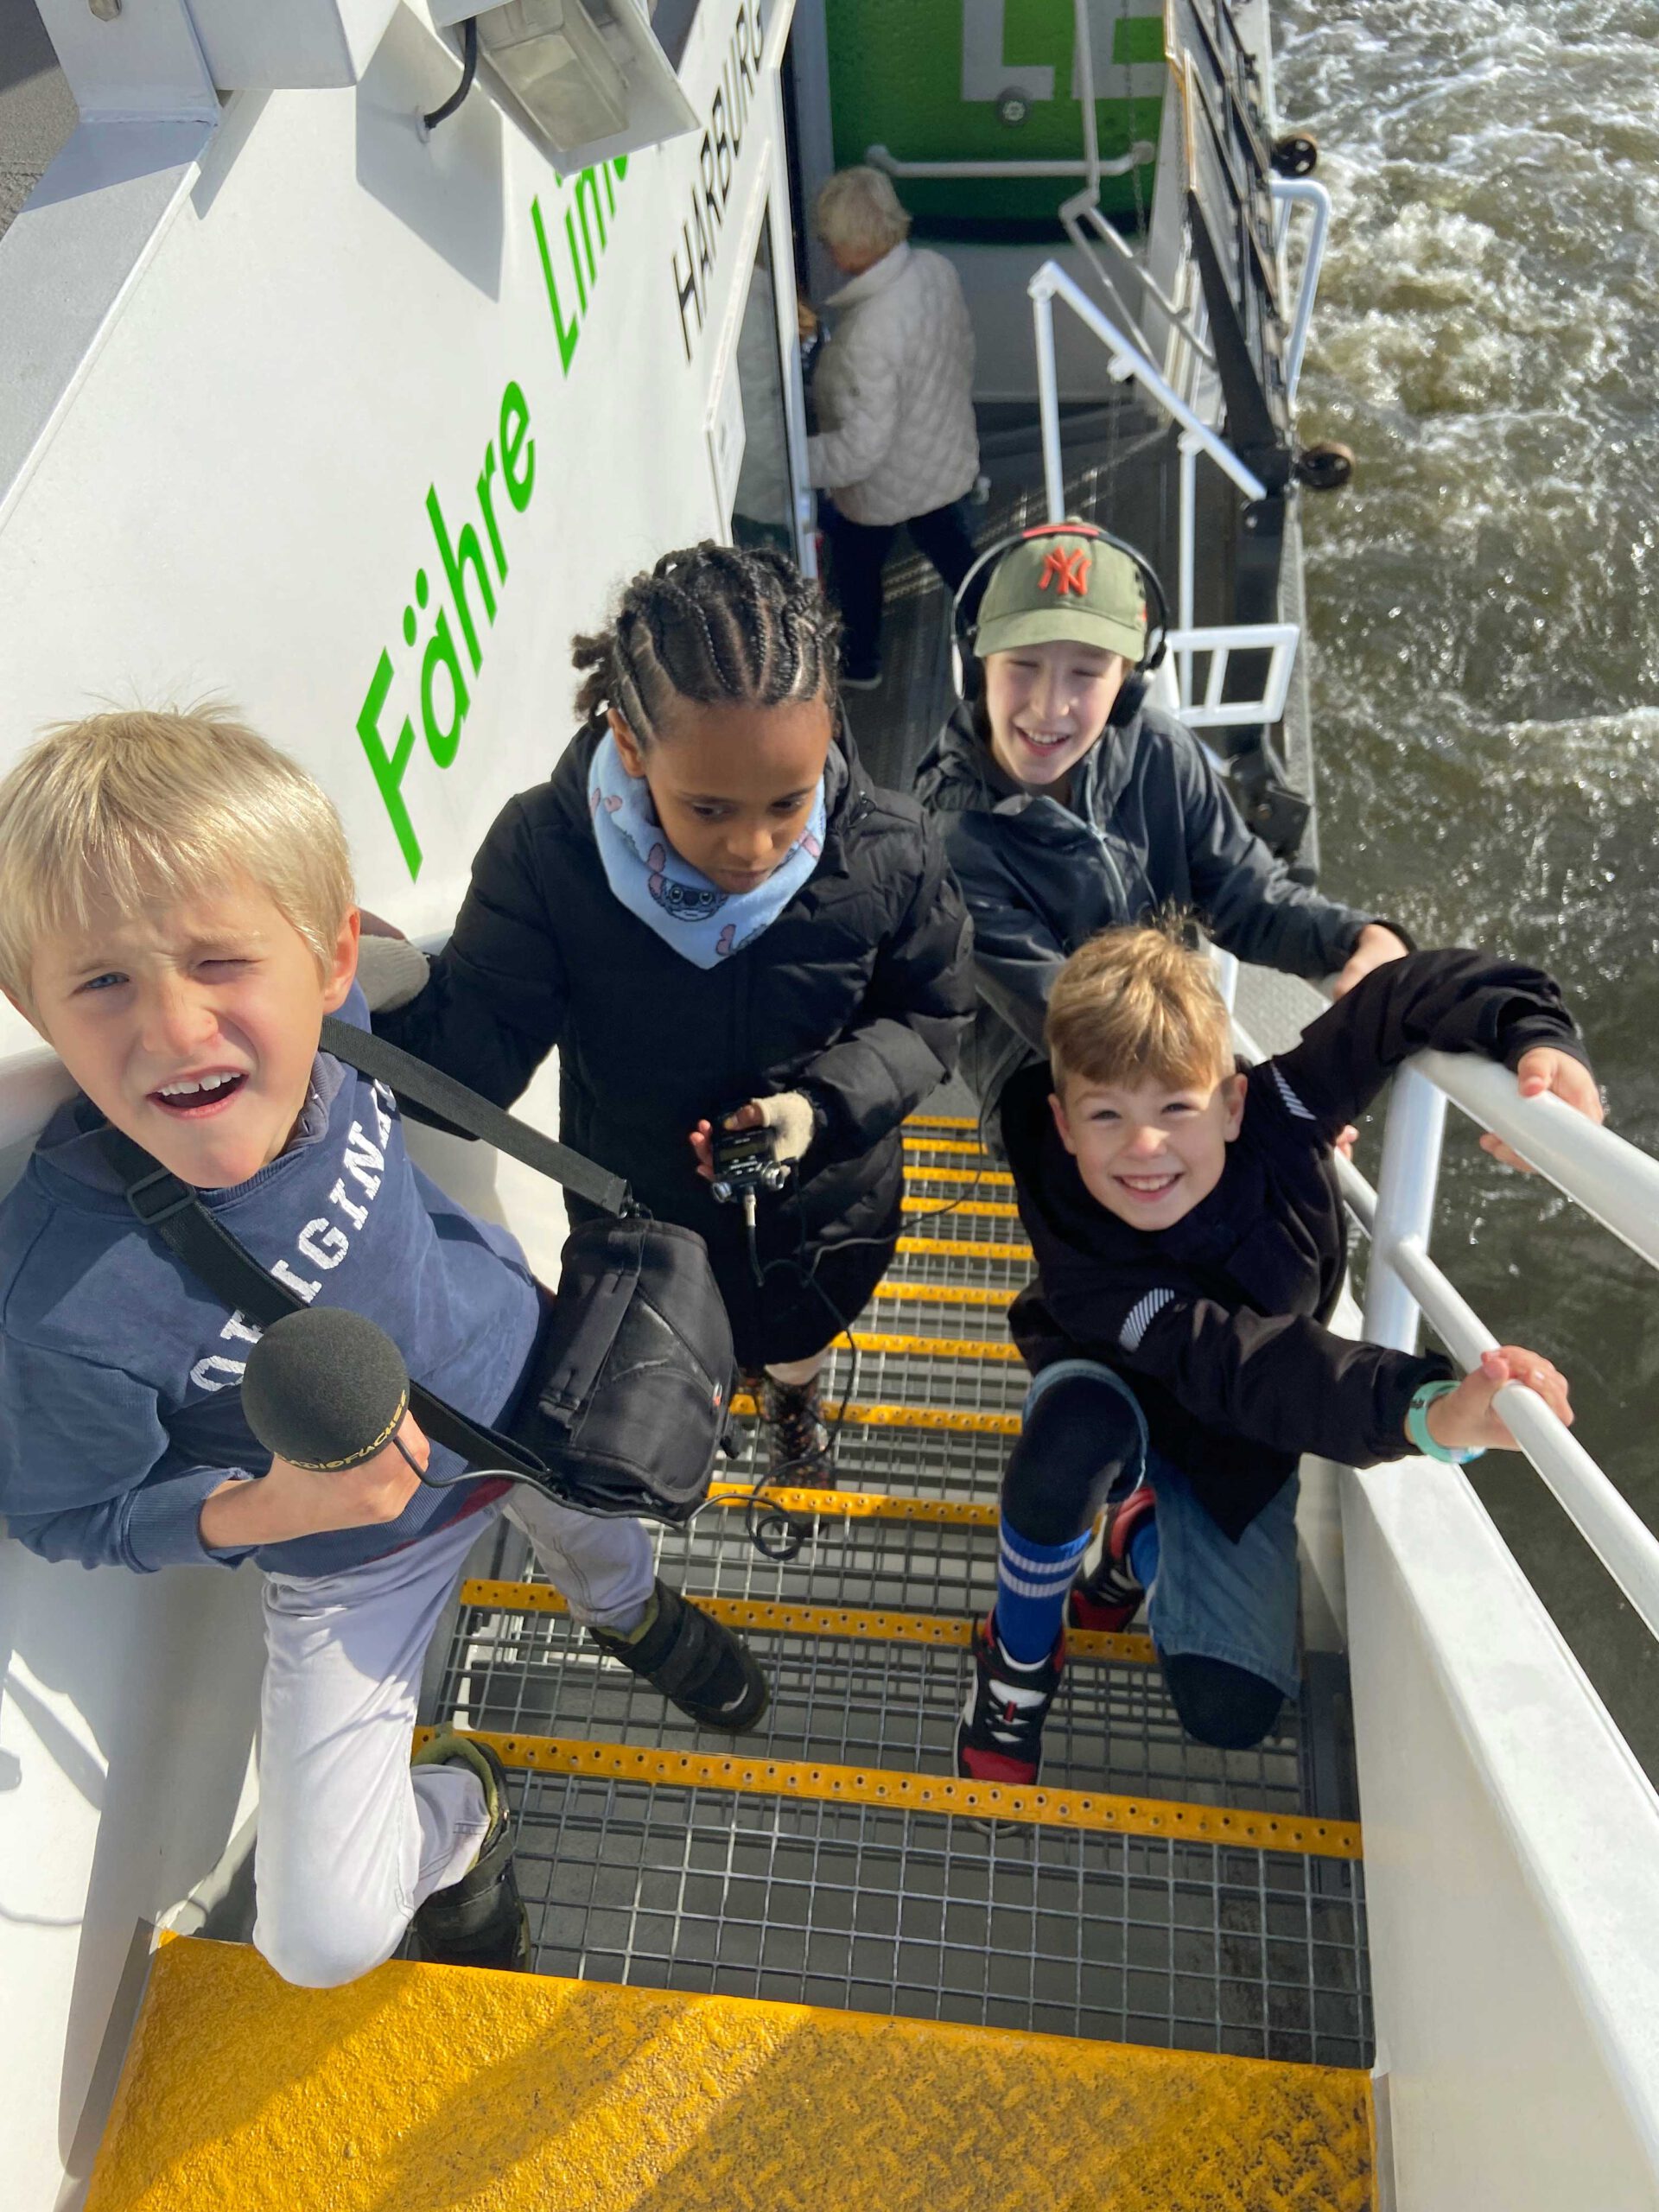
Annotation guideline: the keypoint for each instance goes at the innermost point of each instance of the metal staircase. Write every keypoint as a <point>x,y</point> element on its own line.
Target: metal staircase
<point>802,1969</point>
<point>1128,1897</point>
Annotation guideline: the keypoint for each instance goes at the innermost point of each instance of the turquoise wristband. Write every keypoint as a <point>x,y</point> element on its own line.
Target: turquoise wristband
<point>1417,1428</point>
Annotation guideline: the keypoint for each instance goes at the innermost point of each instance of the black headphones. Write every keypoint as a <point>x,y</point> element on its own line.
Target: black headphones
<point>965,665</point>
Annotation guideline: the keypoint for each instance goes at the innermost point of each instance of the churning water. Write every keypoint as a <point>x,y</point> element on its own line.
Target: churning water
<point>1485,618</point>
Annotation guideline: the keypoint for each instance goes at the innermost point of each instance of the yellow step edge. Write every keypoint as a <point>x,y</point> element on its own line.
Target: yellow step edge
<point>455,2089</point>
<point>996,1348</point>
<point>761,1616</point>
<point>947,1248</point>
<point>985,1179</point>
<point>941,1122</point>
<point>945,1144</point>
<point>970,1209</point>
<point>1090,1811</point>
<point>936,1417</point>
<point>942,1293</point>
<point>863,1505</point>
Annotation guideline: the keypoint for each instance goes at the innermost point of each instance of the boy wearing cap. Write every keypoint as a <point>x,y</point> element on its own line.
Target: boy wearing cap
<point>1070,805</point>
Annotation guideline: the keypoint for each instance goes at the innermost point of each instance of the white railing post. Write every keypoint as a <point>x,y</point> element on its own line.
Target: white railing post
<point>1302,192</point>
<point>1048,398</point>
<point>1084,71</point>
<point>1188,451</point>
<point>1405,1204</point>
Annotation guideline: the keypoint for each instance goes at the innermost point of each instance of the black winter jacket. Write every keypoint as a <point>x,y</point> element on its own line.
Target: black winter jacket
<point>1150,824</point>
<point>1218,1322</point>
<point>862,989</point>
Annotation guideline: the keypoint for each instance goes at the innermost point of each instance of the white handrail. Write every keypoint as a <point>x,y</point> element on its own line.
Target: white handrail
<point>878,158</point>
<point>1072,218</point>
<point>1051,282</point>
<point>1084,206</point>
<point>1615,1182</point>
<point>1302,192</point>
<point>1621,1539</point>
<point>1404,1280</point>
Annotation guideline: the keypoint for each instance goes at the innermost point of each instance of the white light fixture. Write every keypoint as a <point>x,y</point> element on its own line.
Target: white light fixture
<point>587,76</point>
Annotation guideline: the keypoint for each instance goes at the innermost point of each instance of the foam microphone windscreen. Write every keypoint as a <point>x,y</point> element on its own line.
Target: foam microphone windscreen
<point>325,1388</point>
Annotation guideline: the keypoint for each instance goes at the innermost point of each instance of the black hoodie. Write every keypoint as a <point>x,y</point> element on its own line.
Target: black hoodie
<point>861,989</point>
<point>1149,826</point>
<point>1219,1322</point>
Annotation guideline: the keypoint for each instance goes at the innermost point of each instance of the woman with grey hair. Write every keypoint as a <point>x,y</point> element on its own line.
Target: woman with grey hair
<point>897,444</point>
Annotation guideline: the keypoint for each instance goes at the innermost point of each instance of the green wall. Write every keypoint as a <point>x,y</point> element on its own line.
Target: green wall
<point>895,79</point>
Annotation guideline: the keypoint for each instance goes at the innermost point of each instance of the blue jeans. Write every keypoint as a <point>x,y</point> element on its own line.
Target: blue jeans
<point>1212,1599</point>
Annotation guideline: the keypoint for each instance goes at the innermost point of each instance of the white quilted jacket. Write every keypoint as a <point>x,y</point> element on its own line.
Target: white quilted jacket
<point>892,390</point>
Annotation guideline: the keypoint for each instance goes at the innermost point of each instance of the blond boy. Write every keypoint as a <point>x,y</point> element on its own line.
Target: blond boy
<point>176,918</point>
<point>1190,1246</point>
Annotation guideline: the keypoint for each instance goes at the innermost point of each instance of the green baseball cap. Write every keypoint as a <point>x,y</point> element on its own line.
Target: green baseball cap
<point>1062,581</point>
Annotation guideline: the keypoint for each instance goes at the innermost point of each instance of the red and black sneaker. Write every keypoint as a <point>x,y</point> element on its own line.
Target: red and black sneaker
<point>1000,1736</point>
<point>1106,1596</point>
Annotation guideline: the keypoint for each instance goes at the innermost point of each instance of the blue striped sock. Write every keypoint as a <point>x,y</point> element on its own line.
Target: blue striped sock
<point>1032,1582</point>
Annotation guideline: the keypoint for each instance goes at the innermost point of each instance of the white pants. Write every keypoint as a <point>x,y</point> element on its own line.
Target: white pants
<point>352,1839</point>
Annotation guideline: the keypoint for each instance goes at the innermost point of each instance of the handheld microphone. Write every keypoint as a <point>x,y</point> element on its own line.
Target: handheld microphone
<point>325,1388</point>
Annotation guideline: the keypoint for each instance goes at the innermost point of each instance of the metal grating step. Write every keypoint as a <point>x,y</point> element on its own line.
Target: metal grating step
<point>989,1217</point>
<point>955,1263</point>
<point>902,1306</point>
<point>967,1386</point>
<point>955,1299</point>
<point>949,1177</point>
<point>1143,1940</point>
<point>833,1857</point>
<point>918,1462</point>
<point>837,1699</point>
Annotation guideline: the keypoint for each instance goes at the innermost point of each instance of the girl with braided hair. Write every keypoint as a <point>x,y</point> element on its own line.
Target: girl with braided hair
<point>710,911</point>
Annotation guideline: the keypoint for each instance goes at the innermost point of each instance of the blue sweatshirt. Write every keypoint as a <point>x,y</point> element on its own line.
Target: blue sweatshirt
<point>120,1374</point>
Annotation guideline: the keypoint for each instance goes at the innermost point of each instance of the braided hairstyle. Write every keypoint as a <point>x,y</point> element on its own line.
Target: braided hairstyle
<point>714,623</point>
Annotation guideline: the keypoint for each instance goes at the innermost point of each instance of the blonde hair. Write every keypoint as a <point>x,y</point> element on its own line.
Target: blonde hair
<point>1138,1005</point>
<point>128,808</point>
<point>858,211</point>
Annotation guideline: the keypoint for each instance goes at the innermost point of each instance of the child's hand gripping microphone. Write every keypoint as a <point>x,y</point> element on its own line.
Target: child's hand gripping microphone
<point>325,1390</point>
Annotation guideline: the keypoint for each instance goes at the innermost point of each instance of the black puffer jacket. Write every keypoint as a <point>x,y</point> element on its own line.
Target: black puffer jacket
<point>862,989</point>
<point>1150,824</point>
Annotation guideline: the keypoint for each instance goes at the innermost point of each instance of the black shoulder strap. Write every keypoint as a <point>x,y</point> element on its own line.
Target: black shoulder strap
<point>169,1207</point>
<point>428,1086</point>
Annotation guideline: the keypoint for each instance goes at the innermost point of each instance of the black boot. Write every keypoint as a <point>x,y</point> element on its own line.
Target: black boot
<point>797,1435</point>
<point>479,1921</point>
<point>696,1663</point>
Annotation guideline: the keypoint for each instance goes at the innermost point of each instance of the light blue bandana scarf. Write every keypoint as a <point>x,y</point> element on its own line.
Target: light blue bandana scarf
<point>702,922</point>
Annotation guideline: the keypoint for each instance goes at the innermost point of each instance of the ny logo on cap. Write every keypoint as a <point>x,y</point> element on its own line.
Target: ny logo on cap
<point>1068,570</point>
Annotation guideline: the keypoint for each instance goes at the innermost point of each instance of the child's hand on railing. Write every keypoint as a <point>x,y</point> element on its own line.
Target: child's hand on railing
<point>1545,1070</point>
<point>1463,1421</point>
